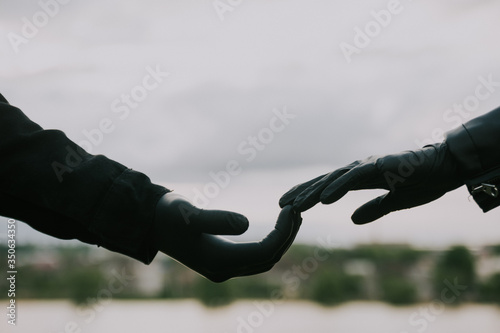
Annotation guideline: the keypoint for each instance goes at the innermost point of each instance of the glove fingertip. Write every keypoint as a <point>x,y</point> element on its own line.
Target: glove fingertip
<point>284,201</point>
<point>369,212</point>
<point>305,202</point>
<point>286,218</point>
<point>360,219</point>
<point>239,224</point>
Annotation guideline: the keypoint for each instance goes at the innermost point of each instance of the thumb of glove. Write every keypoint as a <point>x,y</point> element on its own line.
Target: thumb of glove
<point>216,222</point>
<point>219,222</point>
<point>373,209</point>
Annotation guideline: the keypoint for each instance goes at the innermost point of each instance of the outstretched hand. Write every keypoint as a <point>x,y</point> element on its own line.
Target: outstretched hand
<point>190,235</point>
<point>412,178</point>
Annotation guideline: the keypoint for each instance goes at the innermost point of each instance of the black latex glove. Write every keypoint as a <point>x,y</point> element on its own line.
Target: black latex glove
<point>188,234</point>
<point>412,178</point>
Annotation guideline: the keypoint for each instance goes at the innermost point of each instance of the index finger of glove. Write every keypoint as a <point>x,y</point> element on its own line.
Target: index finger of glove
<point>242,259</point>
<point>312,195</point>
<point>358,178</point>
<point>291,195</point>
<point>270,249</point>
<point>279,240</point>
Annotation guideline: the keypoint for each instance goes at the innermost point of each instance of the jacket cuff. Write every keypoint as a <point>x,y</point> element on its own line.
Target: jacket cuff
<point>482,184</point>
<point>125,218</point>
<point>464,151</point>
<point>485,189</point>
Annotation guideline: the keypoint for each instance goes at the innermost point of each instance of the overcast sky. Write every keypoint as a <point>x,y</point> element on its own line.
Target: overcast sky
<point>280,91</point>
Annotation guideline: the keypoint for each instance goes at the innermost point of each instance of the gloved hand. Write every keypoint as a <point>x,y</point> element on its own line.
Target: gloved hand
<point>412,178</point>
<point>188,234</point>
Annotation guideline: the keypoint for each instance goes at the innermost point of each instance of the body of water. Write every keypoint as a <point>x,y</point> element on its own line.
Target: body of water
<point>261,316</point>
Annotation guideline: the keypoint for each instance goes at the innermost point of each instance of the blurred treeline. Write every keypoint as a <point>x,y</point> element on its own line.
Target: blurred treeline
<point>396,274</point>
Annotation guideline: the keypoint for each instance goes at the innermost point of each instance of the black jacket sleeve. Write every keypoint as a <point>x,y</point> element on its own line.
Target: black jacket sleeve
<point>476,146</point>
<point>52,184</point>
